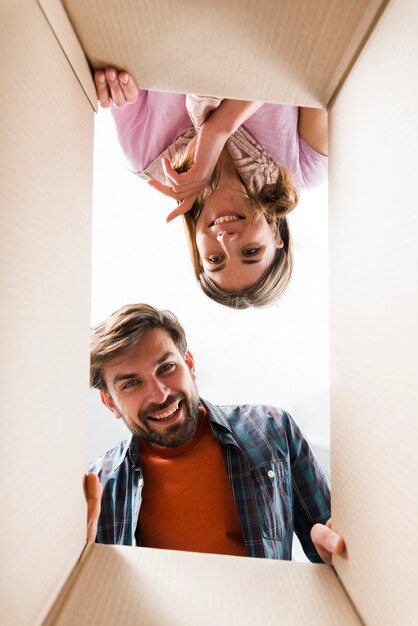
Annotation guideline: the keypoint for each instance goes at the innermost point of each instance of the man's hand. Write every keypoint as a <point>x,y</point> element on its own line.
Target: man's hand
<point>326,541</point>
<point>93,491</point>
<point>115,87</point>
<point>185,187</point>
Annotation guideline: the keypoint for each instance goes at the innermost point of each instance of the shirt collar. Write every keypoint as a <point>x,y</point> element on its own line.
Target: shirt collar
<point>133,451</point>
<point>220,423</point>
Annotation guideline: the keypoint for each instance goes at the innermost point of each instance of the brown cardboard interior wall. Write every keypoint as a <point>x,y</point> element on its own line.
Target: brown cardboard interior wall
<point>46,147</point>
<point>374,313</point>
<point>288,51</point>
<point>124,585</point>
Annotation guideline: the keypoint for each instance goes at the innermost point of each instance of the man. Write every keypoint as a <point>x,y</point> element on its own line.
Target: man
<point>229,480</point>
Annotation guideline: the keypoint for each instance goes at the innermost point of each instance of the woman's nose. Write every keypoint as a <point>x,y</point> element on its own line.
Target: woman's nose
<point>225,236</point>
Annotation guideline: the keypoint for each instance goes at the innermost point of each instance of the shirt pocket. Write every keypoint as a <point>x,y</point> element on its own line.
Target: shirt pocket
<point>274,503</point>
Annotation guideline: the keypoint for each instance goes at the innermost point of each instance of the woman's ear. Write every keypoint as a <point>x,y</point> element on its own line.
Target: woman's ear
<point>276,233</point>
<point>279,241</point>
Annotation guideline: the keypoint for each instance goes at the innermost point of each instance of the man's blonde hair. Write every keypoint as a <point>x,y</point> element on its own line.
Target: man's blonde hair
<point>122,331</point>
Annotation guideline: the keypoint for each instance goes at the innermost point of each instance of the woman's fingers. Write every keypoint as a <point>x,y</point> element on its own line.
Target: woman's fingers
<point>180,182</point>
<point>185,203</point>
<point>170,192</point>
<point>111,86</point>
<point>185,184</point>
<point>103,94</point>
<point>171,175</point>
<point>129,87</point>
<point>182,208</point>
<point>116,93</point>
<point>164,189</point>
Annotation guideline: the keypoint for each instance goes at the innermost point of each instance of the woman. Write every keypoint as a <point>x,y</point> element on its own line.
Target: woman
<point>235,175</point>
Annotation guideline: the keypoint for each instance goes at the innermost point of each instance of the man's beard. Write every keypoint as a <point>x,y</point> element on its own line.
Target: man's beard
<point>175,435</point>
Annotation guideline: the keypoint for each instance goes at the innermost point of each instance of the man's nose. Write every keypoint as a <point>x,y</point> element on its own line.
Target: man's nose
<point>157,392</point>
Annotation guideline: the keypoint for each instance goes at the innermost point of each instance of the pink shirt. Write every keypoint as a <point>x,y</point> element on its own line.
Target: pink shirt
<point>147,128</point>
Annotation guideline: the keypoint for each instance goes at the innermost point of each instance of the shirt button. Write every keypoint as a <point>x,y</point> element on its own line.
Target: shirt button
<point>271,474</point>
<point>140,482</point>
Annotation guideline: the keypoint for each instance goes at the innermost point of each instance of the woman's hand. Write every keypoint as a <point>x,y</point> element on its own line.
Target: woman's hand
<point>115,87</point>
<point>185,187</point>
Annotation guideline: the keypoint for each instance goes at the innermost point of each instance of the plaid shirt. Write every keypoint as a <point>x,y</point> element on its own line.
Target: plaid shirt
<point>278,484</point>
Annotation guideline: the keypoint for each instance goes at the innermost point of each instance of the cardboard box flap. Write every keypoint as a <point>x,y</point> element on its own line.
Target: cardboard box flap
<point>294,52</point>
<point>130,586</point>
<point>60,24</point>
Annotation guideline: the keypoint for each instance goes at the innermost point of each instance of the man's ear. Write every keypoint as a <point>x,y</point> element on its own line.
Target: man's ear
<point>107,400</point>
<point>188,357</point>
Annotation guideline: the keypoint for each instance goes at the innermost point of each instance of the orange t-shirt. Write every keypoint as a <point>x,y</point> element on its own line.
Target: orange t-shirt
<point>187,500</point>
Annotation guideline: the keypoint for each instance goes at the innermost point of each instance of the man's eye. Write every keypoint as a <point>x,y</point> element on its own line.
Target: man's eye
<point>250,251</point>
<point>215,259</point>
<point>167,367</point>
<point>130,384</point>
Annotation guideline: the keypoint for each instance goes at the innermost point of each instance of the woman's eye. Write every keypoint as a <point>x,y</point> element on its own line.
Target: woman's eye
<point>250,251</point>
<point>215,259</point>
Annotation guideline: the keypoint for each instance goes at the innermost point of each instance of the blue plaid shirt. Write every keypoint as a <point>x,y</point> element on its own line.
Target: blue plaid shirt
<point>278,484</point>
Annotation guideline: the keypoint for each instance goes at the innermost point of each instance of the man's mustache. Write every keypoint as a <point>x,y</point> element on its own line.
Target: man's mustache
<point>159,408</point>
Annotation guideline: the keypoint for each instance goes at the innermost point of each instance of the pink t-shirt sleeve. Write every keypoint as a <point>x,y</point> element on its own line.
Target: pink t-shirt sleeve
<point>275,128</point>
<point>313,165</point>
<point>145,129</point>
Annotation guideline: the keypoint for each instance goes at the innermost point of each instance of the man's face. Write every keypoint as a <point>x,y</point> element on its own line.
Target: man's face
<point>152,389</point>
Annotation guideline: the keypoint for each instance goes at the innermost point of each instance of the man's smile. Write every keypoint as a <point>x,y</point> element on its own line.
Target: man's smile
<point>168,415</point>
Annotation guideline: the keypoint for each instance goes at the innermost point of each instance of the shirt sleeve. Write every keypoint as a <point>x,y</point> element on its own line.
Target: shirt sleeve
<point>114,525</point>
<point>313,166</point>
<point>310,486</point>
<point>145,129</point>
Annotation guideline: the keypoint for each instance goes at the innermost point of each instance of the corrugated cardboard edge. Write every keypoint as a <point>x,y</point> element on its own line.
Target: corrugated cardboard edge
<point>53,610</point>
<point>349,598</point>
<point>374,309</point>
<point>59,605</point>
<point>359,50</point>
<point>67,39</point>
<point>121,584</point>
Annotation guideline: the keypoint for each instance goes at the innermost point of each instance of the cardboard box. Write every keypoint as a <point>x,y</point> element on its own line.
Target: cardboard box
<point>358,58</point>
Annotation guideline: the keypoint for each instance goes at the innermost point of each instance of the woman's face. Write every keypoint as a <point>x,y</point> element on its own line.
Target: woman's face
<point>235,245</point>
